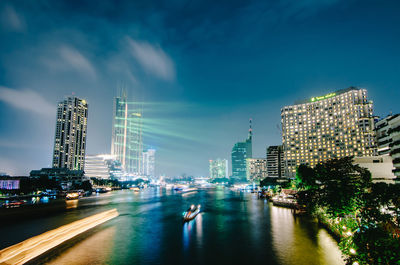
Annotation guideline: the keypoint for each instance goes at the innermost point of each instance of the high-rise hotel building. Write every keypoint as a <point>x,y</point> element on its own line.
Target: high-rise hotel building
<point>70,136</point>
<point>126,142</point>
<point>335,125</point>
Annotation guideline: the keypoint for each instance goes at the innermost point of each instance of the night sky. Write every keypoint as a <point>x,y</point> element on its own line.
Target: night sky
<point>201,69</point>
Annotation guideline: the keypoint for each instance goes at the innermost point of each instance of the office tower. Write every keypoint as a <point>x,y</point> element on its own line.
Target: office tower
<point>256,169</point>
<point>383,138</point>
<point>98,166</point>
<point>149,163</point>
<point>395,144</point>
<point>70,136</point>
<point>240,152</point>
<point>275,162</point>
<point>336,125</point>
<point>126,143</point>
<point>219,168</point>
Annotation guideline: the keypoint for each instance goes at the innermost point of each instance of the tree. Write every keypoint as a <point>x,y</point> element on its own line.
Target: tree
<point>342,185</point>
<point>378,238</point>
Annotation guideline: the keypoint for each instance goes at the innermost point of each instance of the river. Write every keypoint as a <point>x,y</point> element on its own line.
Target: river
<point>233,228</point>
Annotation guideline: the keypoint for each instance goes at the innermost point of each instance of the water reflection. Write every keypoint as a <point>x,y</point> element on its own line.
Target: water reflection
<point>232,228</point>
<point>95,249</point>
<point>71,204</point>
<point>300,240</point>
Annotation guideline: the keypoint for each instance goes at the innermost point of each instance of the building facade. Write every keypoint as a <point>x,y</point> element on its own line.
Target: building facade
<point>64,176</point>
<point>98,166</point>
<point>70,136</point>
<point>394,133</point>
<point>335,125</point>
<point>383,138</point>
<point>126,142</point>
<point>219,168</point>
<point>256,169</point>
<point>381,167</point>
<point>275,165</point>
<point>149,162</point>
<point>240,152</point>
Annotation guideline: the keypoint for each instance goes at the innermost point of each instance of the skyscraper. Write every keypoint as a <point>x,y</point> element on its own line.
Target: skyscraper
<point>240,152</point>
<point>126,143</point>
<point>218,168</point>
<point>335,125</point>
<point>149,163</point>
<point>70,136</point>
<point>275,165</point>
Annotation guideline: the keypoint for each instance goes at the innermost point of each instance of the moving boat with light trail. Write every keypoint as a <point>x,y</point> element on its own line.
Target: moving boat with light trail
<point>191,213</point>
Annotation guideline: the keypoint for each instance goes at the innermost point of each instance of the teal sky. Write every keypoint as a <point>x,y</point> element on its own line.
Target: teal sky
<point>202,68</point>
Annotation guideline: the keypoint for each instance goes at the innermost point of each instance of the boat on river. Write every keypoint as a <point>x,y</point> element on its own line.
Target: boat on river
<point>191,213</point>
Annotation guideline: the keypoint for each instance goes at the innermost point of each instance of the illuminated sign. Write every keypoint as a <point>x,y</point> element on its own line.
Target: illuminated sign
<point>323,97</point>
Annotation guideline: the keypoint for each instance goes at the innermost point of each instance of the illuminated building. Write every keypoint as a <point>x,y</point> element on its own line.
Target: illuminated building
<point>383,137</point>
<point>240,152</point>
<point>70,136</point>
<point>395,144</point>
<point>336,125</point>
<point>126,143</point>
<point>256,169</point>
<point>219,168</point>
<point>98,166</point>
<point>275,164</point>
<point>149,163</point>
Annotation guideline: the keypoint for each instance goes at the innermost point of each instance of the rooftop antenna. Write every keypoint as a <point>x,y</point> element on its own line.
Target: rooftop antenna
<point>250,129</point>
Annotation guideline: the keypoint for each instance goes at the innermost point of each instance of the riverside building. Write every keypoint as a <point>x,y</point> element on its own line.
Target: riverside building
<point>98,166</point>
<point>218,168</point>
<point>395,145</point>
<point>256,169</point>
<point>70,136</point>
<point>275,162</point>
<point>335,125</point>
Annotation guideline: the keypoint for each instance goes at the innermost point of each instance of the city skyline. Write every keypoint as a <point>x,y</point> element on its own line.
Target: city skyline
<point>207,79</point>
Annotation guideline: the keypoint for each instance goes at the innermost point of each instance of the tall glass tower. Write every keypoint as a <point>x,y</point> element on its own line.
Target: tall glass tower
<point>70,136</point>
<point>126,143</point>
<point>240,152</point>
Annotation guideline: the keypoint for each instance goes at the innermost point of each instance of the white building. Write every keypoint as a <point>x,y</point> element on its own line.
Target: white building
<point>98,166</point>
<point>149,163</point>
<point>383,137</point>
<point>381,167</point>
<point>395,144</point>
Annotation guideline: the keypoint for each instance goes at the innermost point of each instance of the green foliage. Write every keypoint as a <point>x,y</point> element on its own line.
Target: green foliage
<point>306,178</point>
<point>342,185</point>
<point>378,236</point>
<point>365,216</point>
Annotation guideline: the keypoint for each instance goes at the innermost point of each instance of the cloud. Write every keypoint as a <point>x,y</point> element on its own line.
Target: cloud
<point>27,100</point>
<point>11,20</point>
<point>77,61</point>
<point>153,59</point>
